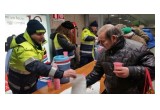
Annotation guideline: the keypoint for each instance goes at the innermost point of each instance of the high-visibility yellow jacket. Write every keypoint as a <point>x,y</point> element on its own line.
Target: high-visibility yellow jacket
<point>87,43</point>
<point>67,45</point>
<point>22,54</point>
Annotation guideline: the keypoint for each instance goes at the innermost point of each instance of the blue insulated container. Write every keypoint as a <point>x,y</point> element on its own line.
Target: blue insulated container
<point>63,63</point>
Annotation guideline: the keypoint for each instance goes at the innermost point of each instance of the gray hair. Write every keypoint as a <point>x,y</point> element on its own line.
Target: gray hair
<point>109,30</point>
<point>103,29</point>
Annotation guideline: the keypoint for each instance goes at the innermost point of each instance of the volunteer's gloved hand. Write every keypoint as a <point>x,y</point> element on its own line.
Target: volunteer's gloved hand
<point>122,72</point>
<point>69,73</point>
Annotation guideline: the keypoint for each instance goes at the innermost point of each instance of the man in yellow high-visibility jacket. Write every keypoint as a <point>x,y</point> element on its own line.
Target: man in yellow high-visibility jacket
<point>87,43</point>
<point>25,64</point>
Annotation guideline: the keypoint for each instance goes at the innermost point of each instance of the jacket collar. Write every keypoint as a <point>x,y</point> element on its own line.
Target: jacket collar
<point>28,39</point>
<point>88,28</point>
<point>119,45</point>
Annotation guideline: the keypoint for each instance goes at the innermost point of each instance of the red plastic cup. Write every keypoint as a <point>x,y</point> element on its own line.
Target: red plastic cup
<point>117,64</point>
<point>49,83</point>
<point>65,53</point>
<point>56,82</point>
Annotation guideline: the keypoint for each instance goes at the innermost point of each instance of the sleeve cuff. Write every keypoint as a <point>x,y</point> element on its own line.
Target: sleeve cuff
<point>131,71</point>
<point>52,71</point>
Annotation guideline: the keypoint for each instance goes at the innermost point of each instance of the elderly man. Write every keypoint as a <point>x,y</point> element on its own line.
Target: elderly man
<point>135,58</point>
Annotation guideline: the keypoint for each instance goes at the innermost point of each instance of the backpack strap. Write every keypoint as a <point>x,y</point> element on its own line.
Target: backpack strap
<point>9,40</point>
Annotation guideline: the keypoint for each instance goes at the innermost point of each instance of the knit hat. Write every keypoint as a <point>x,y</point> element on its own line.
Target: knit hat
<point>136,23</point>
<point>68,25</point>
<point>127,31</point>
<point>94,23</point>
<point>34,26</point>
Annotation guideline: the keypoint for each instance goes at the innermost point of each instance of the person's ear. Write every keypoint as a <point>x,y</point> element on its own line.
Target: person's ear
<point>114,38</point>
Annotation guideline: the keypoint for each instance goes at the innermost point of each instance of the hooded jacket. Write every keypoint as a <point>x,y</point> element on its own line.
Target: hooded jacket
<point>25,64</point>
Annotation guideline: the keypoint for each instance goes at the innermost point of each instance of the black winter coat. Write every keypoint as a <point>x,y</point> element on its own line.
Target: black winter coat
<point>133,55</point>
